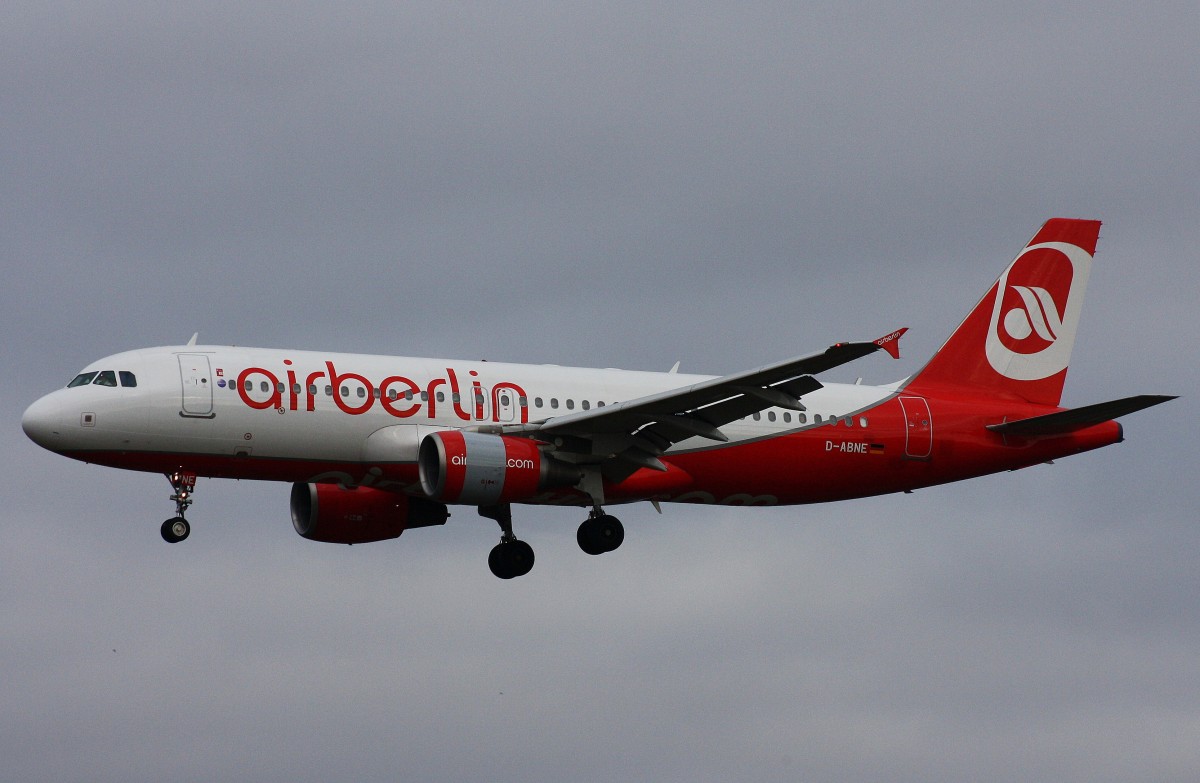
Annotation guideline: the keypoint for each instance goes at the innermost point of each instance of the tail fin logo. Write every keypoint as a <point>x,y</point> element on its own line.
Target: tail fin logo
<point>1038,314</point>
<point>1036,311</point>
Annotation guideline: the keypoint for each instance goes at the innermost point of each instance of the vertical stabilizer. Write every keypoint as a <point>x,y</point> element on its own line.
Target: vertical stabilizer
<point>1018,339</point>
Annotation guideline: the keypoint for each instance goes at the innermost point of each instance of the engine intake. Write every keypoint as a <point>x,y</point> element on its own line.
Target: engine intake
<point>480,470</point>
<point>340,515</point>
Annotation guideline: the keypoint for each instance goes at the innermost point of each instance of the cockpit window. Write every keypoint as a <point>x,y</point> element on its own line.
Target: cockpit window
<point>105,378</point>
<point>128,378</point>
<point>82,379</point>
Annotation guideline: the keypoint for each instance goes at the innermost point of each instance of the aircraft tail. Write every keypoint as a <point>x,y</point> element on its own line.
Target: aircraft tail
<point>1017,340</point>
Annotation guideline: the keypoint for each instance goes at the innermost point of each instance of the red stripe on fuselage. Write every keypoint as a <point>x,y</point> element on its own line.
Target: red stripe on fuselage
<point>824,463</point>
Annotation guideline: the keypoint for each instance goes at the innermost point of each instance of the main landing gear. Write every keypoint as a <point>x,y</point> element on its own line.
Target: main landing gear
<point>512,557</point>
<point>600,533</point>
<point>177,528</point>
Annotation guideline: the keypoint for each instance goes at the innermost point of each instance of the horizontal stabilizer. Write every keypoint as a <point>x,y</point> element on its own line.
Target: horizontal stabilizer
<point>1078,418</point>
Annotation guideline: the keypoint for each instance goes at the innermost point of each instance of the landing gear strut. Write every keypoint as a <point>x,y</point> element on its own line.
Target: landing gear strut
<point>177,528</point>
<point>511,557</point>
<point>600,533</point>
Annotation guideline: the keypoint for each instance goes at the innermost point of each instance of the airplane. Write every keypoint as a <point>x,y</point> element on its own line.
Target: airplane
<point>375,445</point>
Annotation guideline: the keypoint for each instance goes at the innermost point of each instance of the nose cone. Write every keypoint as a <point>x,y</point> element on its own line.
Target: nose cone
<point>42,422</point>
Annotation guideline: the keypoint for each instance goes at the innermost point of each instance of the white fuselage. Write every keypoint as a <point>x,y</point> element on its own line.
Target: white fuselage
<point>262,409</point>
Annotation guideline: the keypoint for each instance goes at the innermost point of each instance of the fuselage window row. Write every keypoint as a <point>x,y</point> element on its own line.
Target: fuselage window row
<point>106,378</point>
<point>362,392</point>
<point>127,379</point>
<point>802,418</point>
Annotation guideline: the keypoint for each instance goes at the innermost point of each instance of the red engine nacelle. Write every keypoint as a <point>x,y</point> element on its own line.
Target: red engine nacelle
<point>337,515</point>
<point>480,470</point>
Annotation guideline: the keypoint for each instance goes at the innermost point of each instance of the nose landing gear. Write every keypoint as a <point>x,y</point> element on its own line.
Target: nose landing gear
<point>177,528</point>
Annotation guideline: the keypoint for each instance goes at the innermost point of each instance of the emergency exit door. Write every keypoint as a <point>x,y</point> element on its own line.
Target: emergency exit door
<point>918,428</point>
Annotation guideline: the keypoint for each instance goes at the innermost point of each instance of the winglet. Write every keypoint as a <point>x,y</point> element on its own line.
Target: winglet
<point>891,342</point>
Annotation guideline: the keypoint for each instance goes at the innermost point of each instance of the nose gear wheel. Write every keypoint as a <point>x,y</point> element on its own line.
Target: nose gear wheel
<point>175,530</point>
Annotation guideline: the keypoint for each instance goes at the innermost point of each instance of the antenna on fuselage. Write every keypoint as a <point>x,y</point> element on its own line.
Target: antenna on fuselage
<point>192,342</point>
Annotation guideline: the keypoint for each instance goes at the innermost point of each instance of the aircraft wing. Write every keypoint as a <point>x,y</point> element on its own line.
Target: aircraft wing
<point>632,434</point>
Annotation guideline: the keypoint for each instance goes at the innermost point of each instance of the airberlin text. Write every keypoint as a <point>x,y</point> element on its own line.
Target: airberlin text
<point>396,395</point>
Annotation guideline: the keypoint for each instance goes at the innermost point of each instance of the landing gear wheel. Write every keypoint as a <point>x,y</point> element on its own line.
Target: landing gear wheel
<point>510,559</point>
<point>496,562</point>
<point>600,534</point>
<point>587,540</point>
<point>175,530</point>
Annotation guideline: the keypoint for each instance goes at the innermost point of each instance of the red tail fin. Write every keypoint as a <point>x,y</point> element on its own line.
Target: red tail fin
<point>1017,341</point>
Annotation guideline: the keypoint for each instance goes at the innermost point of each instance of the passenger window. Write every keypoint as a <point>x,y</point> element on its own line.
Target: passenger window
<point>570,405</point>
<point>802,418</point>
<point>600,404</point>
<point>82,379</point>
<point>787,417</point>
<point>757,416</point>
<point>554,403</point>
<point>328,391</point>
<point>817,418</point>
<point>586,405</point>
<point>849,421</point>
<point>295,388</point>
<point>770,415</point>
<point>279,387</point>
<point>537,402</point>
<point>362,393</point>
<point>523,402</point>
<point>862,421</point>
<point>312,390</point>
<point>128,378</point>
<point>106,378</point>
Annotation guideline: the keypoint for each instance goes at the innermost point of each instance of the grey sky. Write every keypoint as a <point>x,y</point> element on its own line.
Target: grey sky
<point>626,186</point>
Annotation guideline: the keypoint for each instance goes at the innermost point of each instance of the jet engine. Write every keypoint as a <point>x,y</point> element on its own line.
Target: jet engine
<point>340,515</point>
<point>481,470</point>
